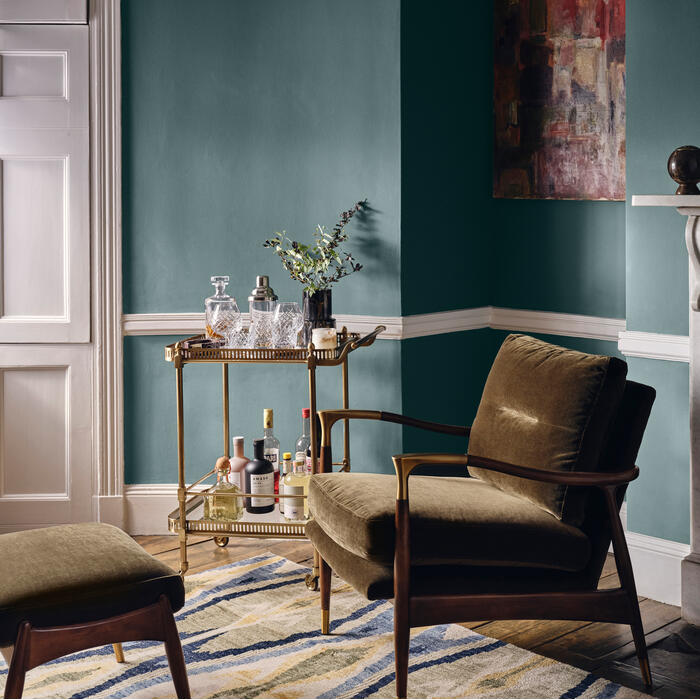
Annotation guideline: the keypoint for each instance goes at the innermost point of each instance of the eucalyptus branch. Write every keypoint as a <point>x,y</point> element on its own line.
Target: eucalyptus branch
<point>322,264</point>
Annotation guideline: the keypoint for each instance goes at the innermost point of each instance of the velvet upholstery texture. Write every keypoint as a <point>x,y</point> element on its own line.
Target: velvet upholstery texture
<point>77,573</point>
<point>375,581</point>
<point>546,407</point>
<point>454,520</point>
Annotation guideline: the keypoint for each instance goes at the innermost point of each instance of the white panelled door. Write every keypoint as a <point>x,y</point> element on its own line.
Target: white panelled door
<point>45,355</point>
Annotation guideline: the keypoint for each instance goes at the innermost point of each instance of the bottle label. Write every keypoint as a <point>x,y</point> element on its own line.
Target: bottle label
<point>309,468</point>
<point>262,483</point>
<point>294,507</point>
<point>300,456</point>
<point>272,455</point>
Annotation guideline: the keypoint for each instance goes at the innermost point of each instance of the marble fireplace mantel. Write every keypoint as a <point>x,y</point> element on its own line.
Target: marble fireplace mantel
<point>689,206</point>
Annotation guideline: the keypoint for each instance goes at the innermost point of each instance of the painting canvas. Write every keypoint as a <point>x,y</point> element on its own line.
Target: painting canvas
<point>559,99</point>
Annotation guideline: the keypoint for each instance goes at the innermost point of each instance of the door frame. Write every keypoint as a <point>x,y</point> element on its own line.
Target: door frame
<point>104,19</point>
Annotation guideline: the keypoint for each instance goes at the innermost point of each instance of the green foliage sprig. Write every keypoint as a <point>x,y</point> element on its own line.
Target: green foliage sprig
<point>322,263</point>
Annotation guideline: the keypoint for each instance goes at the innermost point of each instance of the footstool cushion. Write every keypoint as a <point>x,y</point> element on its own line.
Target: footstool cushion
<point>70,574</point>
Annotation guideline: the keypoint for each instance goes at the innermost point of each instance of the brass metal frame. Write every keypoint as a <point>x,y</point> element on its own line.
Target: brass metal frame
<point>188,498</point>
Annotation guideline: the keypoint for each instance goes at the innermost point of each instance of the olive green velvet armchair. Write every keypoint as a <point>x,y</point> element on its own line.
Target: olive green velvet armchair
<point>550,454</point>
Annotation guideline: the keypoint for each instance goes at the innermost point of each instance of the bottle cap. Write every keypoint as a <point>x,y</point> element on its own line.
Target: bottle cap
<point>268,418</point>
<point>262,290</point>
<point>259,441</point>
<point>287,455</point>
<point>223,465</point>
<point>238,440</point>
<point>305,412</point>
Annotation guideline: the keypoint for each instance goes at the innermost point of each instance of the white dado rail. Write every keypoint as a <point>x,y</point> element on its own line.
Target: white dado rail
<point>689,205</point>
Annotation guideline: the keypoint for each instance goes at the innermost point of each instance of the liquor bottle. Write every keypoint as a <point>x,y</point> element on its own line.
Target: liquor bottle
<point>285,468</point>
<point>305,438</point>
<point>309,465</point>
<point>296,483</point>
<point>238,463</point>
<point>272,445</point>
<point>219,504</point>
<point>259,478</point>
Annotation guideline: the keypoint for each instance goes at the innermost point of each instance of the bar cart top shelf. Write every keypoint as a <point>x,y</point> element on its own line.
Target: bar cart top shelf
<point>187,351</point>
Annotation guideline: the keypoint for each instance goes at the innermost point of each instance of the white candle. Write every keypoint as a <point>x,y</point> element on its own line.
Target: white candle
<point>324,338</point>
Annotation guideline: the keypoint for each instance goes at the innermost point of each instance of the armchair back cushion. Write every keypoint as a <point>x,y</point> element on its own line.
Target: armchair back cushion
<point>546,407</point>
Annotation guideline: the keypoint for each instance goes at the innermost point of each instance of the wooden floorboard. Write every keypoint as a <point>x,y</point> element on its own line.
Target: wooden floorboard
<point>602,648</point>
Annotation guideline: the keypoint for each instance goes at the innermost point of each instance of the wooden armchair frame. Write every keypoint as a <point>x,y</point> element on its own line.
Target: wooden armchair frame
<point>618,605</point>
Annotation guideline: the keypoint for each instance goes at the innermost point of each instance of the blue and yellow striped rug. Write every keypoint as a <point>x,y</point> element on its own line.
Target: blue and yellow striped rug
<point>251,629</point>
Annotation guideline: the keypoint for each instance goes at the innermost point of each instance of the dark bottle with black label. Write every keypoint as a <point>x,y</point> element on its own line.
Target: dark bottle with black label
<point>259,478</point>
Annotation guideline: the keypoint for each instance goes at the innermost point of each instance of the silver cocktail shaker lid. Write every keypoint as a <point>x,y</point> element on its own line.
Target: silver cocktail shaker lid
<point>262,291</point>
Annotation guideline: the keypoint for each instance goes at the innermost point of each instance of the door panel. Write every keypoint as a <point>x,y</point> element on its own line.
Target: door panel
<point>44,225</point>
<point>45,435</point>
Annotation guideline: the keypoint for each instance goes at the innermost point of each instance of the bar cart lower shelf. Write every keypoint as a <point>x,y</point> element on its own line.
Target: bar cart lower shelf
<point>187,518</point>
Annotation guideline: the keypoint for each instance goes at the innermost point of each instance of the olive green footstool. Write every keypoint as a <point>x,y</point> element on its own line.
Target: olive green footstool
<point>68,588</point>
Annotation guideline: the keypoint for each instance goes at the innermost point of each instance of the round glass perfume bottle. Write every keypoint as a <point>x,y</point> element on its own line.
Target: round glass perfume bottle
<point>223,314</point>
<point>219,501</point>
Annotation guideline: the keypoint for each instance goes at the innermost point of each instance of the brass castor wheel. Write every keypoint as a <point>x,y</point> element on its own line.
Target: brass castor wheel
<point>311,582</point>
<point>221,541</point>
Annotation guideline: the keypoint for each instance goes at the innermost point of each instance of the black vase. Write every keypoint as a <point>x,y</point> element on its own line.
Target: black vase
<point>684,168</point>
<point>318,310</point>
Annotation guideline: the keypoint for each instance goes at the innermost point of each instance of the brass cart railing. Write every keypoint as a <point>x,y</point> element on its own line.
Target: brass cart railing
<point>190,498</point>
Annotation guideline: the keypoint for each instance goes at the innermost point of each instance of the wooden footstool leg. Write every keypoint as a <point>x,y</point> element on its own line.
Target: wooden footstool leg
<point>118,652</point>
<point>173,650</point>
<point>18,666</point>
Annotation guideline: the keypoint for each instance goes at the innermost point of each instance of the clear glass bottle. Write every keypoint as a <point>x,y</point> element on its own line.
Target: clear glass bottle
<point>296,483</point>
<point>259,479</point>
<point>262,302</point>
<point>272,444</point>
<point>222,312</point>
<point>238,463</point>
<point>304,441</point>
<point>219,504</point>
<point>285,468</point>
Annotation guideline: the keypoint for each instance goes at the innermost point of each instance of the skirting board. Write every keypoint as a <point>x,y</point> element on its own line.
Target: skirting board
<point>656,562</point>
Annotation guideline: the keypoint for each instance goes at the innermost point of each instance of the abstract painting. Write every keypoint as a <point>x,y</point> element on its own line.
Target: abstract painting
<point>559,99</point>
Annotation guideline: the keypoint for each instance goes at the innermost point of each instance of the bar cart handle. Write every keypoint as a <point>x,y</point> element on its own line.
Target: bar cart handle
<point>367,339</point>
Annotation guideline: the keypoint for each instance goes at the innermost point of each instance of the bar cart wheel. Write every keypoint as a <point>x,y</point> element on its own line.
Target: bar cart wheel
<point>311,582</point>
<point>221,541</point>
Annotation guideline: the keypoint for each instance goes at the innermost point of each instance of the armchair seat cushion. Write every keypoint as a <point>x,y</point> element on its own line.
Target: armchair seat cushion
<point>70,574</point>
<point>454,520</point>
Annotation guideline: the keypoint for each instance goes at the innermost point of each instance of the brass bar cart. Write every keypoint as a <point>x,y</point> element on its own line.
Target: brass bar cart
<point>182,520</point>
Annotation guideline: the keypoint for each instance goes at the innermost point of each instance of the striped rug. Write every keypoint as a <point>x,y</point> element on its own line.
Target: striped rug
<point>251,629</point>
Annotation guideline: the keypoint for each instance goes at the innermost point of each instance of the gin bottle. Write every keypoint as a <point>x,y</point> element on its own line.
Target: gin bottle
<point>259,479</point>
<point>304,441</point>
<point>272,444</point>
<point>220,502</point>
<point>296,483</point>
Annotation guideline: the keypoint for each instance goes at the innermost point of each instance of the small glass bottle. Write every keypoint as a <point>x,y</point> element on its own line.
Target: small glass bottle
<point>285,468</point>
<point>219,504</point>
<point>296,483</point>
<point>272,444</point>
<point>238,463</point>
<point>304,441</point>
<point>222,312</point>
<point>259,479</point>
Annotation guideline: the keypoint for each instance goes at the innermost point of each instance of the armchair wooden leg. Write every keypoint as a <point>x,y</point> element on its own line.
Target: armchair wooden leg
<point>118,652</point>
<point>626,574</point>
<point>325,584</point>
<point>402,574</point>
<point>173,650</point>
<point>18,666</point>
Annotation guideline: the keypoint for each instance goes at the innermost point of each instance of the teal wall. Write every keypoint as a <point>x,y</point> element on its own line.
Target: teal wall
<point>446,123</point>
<point>241,118</point>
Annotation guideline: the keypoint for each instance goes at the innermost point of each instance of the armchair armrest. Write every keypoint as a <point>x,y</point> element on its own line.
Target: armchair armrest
<point>328,419</point>
<point>406,463</point>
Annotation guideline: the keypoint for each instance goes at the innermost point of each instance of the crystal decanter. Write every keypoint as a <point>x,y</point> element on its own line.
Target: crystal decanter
<point>223,314</point>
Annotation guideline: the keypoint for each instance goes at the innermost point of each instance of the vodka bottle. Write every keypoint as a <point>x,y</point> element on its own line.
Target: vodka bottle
<point>296,483</point>
<point>304,440</point>
<point>285,468</point>
<point>272,445</point>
